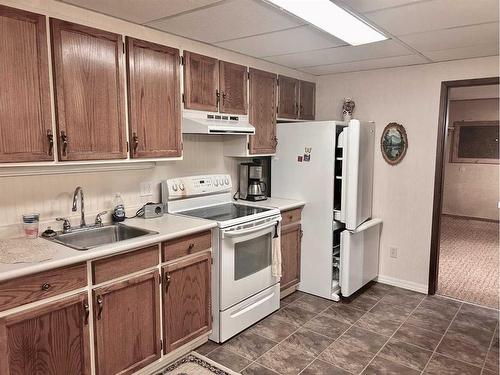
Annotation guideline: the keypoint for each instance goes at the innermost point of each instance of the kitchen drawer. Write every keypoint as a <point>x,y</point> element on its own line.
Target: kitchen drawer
<point>123,264</point>
<point>291,216</point>
<point>31,288</point>
<point>183,246</point>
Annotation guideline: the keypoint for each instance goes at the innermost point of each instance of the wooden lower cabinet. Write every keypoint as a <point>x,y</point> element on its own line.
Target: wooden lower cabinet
<point>187,311</point>
<point>127,324</point>
<point>291,236</point>
<point>51,339</point>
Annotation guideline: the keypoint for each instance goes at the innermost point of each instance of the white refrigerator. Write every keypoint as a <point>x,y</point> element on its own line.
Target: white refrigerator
<point>329,165</point>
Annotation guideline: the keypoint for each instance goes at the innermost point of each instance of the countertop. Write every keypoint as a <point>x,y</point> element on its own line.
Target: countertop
<point>168,227</point>
<point>281,204</point>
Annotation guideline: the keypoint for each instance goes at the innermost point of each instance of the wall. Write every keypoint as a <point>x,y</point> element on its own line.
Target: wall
<point>403,194</point>
<point>50,195</point>
<point>471,189</point>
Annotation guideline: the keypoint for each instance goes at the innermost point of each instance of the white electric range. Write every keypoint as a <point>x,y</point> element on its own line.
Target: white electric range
<point>243,288</point>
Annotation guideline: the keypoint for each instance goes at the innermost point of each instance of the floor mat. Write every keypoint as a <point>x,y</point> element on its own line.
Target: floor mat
<point>468,261</point>
<point>194,364</point>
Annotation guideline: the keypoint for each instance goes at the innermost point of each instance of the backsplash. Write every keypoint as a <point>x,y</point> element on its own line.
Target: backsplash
<point>51,195</point>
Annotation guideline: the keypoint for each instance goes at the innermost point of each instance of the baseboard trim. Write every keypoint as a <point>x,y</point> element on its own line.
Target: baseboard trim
<point>471,218</point>
<point>410,285</point>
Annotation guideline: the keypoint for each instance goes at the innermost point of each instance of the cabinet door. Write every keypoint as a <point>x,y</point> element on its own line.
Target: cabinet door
<point>154,99</point>
<point>201,82</point>
<point>187,311</point>
<point>25,116</point>
<point>307,100</point>
<point>263,112</point>
<point>288,102</point>
<point>89,92</point>
<point>52,339</point>
<point>127,324</point>
<point>233,88</point>
<point>290,255</point>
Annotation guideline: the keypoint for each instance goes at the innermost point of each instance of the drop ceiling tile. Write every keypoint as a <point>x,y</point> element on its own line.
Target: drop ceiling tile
<point>388,62</point>
<point>299,39</point>
<point>480,50</point>
<point>363,6</point>
<point>229,20</point>
<point>434,15</point>
<point>141,11</point>
<point>336,55</point>
<point>453,38</point>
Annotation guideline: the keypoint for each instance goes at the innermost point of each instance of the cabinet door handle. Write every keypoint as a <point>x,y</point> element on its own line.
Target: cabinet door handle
<point>301,233</point>
<point>168,278</point>
<point>50,140</point>
<point>296,109</point>
<point>86,312</point>
<point>217,98</point>
<point>99,307</point>
<point>135,141</point>
<point>64,141</point>
<point>223,97</point>
<point>190,247</point>
<point>275,139</point>
<point>46,286</point>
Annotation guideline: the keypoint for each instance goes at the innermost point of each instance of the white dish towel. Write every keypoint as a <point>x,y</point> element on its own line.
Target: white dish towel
<point>276,257</point>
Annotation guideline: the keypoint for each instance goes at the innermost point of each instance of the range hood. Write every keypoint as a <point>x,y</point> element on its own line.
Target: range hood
<point>215,123</point>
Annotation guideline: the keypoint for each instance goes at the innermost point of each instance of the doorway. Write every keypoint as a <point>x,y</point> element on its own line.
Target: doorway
<point>464,242</point>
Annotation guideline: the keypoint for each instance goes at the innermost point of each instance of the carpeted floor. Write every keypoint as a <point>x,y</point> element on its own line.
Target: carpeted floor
<point>468,261</point>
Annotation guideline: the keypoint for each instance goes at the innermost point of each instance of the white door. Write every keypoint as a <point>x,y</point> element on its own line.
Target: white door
<point>245,261</point>
<point>357,173</point>
<point>359,251</point>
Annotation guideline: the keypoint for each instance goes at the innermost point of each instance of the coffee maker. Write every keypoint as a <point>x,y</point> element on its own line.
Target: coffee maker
<point>251,187</point>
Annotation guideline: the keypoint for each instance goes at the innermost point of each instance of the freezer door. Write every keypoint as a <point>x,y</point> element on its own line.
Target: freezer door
<point>359,256</point>
<point>357,178</point>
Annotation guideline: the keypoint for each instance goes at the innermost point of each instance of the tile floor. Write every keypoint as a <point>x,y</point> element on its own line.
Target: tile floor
<point>381,330</point>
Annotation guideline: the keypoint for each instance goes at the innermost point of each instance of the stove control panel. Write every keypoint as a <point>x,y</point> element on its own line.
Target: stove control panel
<point>184,187</point>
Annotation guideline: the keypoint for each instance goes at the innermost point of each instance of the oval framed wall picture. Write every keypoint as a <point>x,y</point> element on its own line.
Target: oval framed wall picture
<point>394,143</point>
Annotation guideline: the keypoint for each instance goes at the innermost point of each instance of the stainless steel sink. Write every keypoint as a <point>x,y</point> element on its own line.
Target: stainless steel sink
<point>88,238</point>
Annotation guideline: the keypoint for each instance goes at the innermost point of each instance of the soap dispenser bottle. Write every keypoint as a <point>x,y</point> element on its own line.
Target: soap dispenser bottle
<point>119,209</point>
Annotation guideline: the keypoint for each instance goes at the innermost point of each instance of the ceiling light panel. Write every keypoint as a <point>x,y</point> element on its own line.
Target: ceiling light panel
<point>332,19</point>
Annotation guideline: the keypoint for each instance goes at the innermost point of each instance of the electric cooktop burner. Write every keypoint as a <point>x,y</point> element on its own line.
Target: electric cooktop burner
<point>224,212</point>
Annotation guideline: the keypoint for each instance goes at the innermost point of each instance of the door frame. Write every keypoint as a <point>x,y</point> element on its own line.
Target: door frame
<point>439,172</point>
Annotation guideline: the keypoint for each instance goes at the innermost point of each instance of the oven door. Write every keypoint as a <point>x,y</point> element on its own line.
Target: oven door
<point>246,259</point>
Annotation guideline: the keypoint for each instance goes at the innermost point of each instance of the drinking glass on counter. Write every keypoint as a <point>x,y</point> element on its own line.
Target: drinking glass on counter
<point>30,225</point>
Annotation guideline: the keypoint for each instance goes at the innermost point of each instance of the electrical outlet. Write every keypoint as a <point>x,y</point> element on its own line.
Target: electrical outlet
<point>393,252</point>
<point>146,189</point>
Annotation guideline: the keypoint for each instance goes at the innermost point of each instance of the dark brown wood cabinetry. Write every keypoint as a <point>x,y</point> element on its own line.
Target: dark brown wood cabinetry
<point>201,82</point>
<point>187,311</point>
<point>89,92</point>
<point>233,88</point>
<point>288,101</point>
<point>154,99</point>
<point>291,235</point>
<point>127,324</point>
<point>262,112</point>
<point>296,99</point>
<point>25,120</point>
<point>307,100</point>
<point>52,339</point>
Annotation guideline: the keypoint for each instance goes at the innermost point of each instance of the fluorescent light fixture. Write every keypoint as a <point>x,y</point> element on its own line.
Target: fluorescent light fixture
<point>332,19</point>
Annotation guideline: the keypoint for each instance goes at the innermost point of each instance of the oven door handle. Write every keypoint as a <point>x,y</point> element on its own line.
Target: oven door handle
<point>241,232</point>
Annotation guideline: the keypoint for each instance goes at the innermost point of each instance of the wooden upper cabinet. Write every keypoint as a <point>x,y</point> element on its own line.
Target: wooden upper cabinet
<point>89,92</point>
<point>25,115</point>
<point>127,325</point>
<point>201,82</point>
<point>233,88</point>
<point>262,112</point>
<point>51,339</point>
<point>154,99</point>
<point>288,101</point>
<point>187,311</point>
<point>307,106</point>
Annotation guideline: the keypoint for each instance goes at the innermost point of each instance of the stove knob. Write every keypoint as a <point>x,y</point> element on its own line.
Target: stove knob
<point>182,187</point>
<point>216,183</point>
<point>227,181</point>
<point>221,182</point>
<point>174,187</point>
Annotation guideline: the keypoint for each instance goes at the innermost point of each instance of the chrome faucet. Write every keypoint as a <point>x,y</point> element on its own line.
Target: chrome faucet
<point>82,205</point>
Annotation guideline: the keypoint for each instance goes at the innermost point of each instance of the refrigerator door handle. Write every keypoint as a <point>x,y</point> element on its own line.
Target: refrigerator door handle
<point>343,196</point>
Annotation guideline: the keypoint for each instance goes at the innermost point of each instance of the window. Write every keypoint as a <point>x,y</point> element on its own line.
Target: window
<point>475,142</point>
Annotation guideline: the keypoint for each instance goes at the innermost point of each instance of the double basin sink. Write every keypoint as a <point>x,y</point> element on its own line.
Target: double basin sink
<point>88,238</point>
